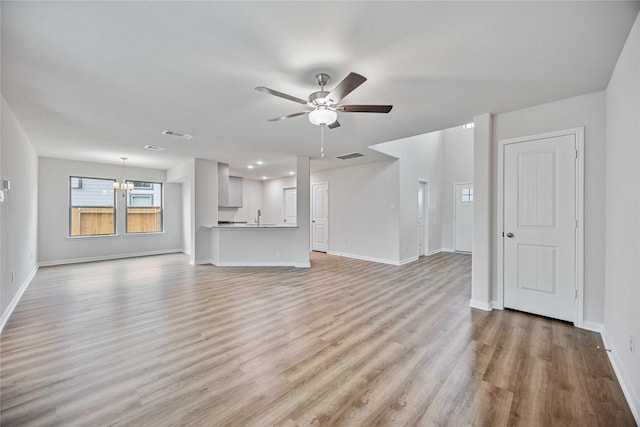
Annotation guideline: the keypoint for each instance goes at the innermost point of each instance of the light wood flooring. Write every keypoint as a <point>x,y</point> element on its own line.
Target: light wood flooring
<point>155,342</point>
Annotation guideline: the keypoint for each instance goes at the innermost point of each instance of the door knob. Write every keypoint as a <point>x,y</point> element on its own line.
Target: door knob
<point>509,235</point>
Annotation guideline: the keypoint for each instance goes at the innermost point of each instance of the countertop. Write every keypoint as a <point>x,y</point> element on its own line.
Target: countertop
<point>251,226</point>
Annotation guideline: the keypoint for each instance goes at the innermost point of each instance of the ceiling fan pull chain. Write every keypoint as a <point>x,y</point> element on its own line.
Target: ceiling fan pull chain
<point>322,141</point>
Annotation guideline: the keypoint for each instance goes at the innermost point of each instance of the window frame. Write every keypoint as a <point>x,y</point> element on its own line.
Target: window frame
<point>126,207</point>
<point>70,189</point>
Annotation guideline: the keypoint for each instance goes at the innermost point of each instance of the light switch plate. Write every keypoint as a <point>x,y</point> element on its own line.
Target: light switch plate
<point>1,196</point>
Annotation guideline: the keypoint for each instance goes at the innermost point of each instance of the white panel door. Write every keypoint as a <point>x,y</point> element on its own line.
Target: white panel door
<point>290,208</point>
<point>320,217</point>
<point>540,226</point>
<point>463,217</point>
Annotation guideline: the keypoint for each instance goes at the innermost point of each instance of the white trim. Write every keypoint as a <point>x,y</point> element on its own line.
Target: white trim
<point>312,197</point>
<point>372,259</point>
<point>16,299</point>
<point>252,263</point>
<point>494,304</point>
<point>578,133</point>
<point>481,305</point>
<point>592,326</point>
<point>623,379</point>
<point>455,208</point>
<point>109,257</point>
<point>408,260</point>
<point>302,265</point>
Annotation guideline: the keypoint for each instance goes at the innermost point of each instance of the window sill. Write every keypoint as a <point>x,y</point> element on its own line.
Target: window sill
<point>93,236</point>
<point>151,233</point>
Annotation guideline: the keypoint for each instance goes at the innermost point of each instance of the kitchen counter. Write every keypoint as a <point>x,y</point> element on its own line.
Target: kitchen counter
<point>250,226</point>
<point>253,245</point>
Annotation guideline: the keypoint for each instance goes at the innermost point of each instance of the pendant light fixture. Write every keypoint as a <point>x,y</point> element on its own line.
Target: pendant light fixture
<point>123,185</point>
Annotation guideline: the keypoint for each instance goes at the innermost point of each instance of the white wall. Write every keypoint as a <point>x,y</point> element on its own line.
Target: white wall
<point>186,216</point>
<point>251,202</point>
<point>457,167</point>
<point>622,208</point>
<point>363,210</point>
<point>184,174</point>
<point>272,198</point>
<point>19,212</point>
<point>205,207</point>
<point>55,246</point>
<point>588,111</point>
<point>421,157</point>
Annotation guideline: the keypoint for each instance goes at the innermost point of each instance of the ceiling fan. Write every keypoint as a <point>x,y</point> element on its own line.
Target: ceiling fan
<point>325,105</point>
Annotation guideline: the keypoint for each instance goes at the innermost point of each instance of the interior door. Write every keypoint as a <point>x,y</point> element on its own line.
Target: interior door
<point>422,203</point>
<point>463,217</point>
<point>320,217</point>
<point>289,209</point>
<point>540,226</point>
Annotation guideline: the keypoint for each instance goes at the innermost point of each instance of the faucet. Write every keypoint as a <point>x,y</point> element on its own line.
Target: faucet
<point>259,215</point>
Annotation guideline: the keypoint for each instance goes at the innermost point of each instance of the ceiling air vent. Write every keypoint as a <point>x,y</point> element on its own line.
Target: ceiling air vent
<point>349,156</point>
<point>154,147</point>
<point>177,134</point>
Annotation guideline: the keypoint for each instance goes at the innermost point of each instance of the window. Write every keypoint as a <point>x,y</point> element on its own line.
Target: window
<point>144,208</point>
<point>142,185</point>
<point>467,194</point>
<point>91,207</point>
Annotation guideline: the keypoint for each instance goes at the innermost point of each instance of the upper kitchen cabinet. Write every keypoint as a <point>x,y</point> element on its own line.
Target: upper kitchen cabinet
<point>229,188</point>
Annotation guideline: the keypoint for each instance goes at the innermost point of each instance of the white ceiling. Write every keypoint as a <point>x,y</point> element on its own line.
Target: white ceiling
<point>97,80</point>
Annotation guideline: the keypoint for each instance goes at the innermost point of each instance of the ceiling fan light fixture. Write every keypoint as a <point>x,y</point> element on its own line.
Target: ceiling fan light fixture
<point>322,116</point>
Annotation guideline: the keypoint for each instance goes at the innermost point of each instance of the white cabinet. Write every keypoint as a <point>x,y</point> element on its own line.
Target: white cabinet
<point>229,188</point>
<point>235,192</point>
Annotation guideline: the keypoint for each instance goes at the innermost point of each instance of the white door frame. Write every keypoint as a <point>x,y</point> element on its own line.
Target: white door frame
<point>425,214</point>
<point>455,206</point>
<point>578,133</point>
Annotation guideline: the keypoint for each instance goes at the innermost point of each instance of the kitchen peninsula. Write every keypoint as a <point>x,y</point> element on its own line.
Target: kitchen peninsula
<point>253,244</point>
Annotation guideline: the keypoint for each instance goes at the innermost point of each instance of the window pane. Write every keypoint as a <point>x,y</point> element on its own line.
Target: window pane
<point>92,207</point>
<point>144,208</point>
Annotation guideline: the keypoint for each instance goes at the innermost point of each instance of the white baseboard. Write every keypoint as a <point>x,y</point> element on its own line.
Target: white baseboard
<point>481,305</point>
<point>495,305</point>
<point>623,379</point>
<point>592,326</point>
<point>303,265</point>
<point>437,251</point>
<point>16,299</point>
<point>251,263</point>
<point>408,260</point>
<point>109,257</point>
<point>364,258</point>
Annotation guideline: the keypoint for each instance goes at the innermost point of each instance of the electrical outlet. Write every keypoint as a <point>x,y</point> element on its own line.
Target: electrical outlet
<point>632,343</point>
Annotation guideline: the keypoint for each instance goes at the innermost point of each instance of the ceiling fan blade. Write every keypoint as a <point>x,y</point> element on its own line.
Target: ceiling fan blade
<point>346,86</point>
<point>365,108</point>
<point>281,95</point>
<point>334,125</point>
<point>288,116</point>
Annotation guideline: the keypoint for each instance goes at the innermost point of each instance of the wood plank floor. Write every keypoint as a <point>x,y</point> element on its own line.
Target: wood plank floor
<point>155,342</point>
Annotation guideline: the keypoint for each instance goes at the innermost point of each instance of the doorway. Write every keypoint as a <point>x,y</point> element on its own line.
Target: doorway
<point>540,252</point>
<point>423,218</point>
<point>320,216</point>
<point>463,216</point>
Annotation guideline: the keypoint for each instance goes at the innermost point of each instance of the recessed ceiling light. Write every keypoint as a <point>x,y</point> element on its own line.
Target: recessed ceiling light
<point>250,166</point>
<point>259,162</point>
<point>154,147</point>
<point>292,173</point>
<point>264,177</point>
